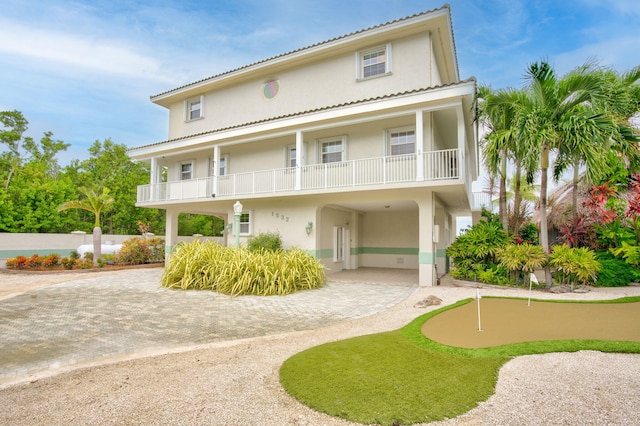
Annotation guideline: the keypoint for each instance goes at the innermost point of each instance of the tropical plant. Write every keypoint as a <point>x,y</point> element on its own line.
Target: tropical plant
<point>138,250</point>
<point>270,241</point>
<point>476,249</point>
<point>204,265</point>
<point>521,260</point>
<point>96,204</point>
<point>574,265</point>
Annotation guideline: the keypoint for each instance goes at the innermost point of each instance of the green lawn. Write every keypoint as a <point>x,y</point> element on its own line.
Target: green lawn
<point>401,377</point>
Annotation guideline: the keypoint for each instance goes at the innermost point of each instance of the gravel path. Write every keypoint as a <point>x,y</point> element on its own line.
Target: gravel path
<point>236,383</point>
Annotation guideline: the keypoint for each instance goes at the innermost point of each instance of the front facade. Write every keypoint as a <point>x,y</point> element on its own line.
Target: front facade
<point>360,150</point>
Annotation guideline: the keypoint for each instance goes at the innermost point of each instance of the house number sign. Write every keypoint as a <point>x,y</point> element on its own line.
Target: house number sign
<point>280,216</point>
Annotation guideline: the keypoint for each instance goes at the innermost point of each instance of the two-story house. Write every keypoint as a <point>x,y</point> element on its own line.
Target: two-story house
<point>360,149</point>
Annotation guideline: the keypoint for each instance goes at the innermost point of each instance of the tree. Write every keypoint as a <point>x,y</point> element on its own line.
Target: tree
<point>546,120</point>
<point>96,204</point>
<point>14,125</point>
<point>497,110</point>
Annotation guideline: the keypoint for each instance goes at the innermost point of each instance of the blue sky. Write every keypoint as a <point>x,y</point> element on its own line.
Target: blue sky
<point>85,69</point>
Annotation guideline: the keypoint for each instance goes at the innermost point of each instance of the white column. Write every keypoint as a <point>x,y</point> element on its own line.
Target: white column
<point>153,172</point>
<point>216,169</point>
<point>300,160</point>
<point>171,232</point>
<point>419,147</point>
<point>426,251</point>
<point>461,144</point>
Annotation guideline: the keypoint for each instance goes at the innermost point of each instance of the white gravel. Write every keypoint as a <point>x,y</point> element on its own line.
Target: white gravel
<point>236,383</point>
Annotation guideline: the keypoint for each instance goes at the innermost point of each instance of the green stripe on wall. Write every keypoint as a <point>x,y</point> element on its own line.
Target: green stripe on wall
<point>441,253</point>
<point>7,254</point>
<point>426,258</point>
<point>321,253</point>
<point>387,250</point>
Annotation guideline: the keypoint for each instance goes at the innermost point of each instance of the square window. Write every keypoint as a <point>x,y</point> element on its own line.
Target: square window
<point>402,142</point>
<point>331,151</point>
<point>374,62</point>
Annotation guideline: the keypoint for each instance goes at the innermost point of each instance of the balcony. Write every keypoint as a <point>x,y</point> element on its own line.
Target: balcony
<point>436,165</point>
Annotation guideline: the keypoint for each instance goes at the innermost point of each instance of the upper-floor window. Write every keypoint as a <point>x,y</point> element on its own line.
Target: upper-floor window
<point>332,150</point>
<point>193,108</point>
<point>291,156</point>
<point>186,170</point>
<point>374,62</point>
<point>402,141</point>
<point>223,164</point>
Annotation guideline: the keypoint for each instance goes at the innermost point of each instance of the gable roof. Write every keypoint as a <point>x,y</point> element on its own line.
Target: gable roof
<point>313,49</point>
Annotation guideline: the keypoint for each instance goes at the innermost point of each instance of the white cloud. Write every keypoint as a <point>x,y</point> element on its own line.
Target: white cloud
<point>78,51</point>
<point>613,52</point>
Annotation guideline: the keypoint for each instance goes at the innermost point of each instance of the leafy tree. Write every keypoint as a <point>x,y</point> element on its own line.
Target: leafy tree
<point>13,127</point>
<point>96,204</point>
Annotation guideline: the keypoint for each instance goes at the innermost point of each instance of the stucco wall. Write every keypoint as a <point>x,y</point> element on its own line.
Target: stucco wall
<point>389,240</point>
<point>18,244</point>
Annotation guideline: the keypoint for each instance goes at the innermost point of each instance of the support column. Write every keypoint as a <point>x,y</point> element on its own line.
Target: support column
<point>171,232</point>
<point>426,251</point>
<point>419,147</point>
<point>216,169</point>
<point>153,175</point>
<point>299,159</point>
<point>460,163</point>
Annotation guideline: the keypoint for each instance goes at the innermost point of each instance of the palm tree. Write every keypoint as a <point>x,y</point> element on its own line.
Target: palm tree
<point>96,204</point>
<point>550,118</point>
<point>498,112</point>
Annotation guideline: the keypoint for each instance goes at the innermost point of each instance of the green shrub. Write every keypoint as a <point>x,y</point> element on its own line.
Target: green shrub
<point>73,254</point>
<point>67,262</point>
<point>574,265</point>
<point>51,261</point>
<point>137,250</point>
<point>521,260</point>
<point>83,263</point>
<point>87,255</point>
<point>615,273</point>
<point>204,265</point>
<point>270,241</point>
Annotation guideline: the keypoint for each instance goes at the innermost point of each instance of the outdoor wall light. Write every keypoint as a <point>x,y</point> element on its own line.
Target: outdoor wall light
<point>308,228</point>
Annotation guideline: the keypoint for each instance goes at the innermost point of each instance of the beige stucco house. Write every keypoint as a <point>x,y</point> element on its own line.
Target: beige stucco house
<point>360,149</point>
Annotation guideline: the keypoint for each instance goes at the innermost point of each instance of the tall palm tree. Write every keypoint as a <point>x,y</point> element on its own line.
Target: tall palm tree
<point>498,112</point>
<point>548,117</point>
<point>96,204</point>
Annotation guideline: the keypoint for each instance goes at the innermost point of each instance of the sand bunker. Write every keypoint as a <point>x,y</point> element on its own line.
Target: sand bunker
<point>506,321</point>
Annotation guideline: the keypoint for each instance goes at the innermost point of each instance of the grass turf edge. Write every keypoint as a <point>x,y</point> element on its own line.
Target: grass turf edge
<point>385,378</point>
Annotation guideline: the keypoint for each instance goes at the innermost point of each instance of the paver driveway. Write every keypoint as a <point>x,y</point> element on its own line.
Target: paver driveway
<point>127,313</point>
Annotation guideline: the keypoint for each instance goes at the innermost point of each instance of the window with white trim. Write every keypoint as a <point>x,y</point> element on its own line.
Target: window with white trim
<point>193,108</point>
<point>332,150</point>
<point>186,170</point>
<point>245,223</point>
<point>291,159</point>
<point>373,62</point>
<point>223,163</point>
<point>401,141</point>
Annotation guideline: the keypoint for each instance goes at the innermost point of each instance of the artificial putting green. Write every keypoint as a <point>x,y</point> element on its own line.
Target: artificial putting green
<point>403,377</point>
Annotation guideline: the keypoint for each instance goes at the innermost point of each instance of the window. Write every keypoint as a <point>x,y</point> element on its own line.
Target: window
<point>374,62</point>
<point>332,150</point>
<point>291,159</point>
<point>193,109</point>
<point>245,223</point>
<point>223,164</point>
<point>186,170</point>
<point>402,141</point>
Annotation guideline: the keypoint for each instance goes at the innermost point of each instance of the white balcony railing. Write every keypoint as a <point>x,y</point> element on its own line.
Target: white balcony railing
<point>438,165</point>
<point>480,200</point>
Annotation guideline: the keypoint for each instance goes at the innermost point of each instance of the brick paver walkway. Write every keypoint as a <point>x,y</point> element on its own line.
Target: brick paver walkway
<point>120,314</point>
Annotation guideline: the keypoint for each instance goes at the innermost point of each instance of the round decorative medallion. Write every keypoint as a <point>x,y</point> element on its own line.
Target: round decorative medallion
<point>270,89</point>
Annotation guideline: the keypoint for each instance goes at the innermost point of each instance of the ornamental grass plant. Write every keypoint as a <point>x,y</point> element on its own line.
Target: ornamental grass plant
<point>204,265</point>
